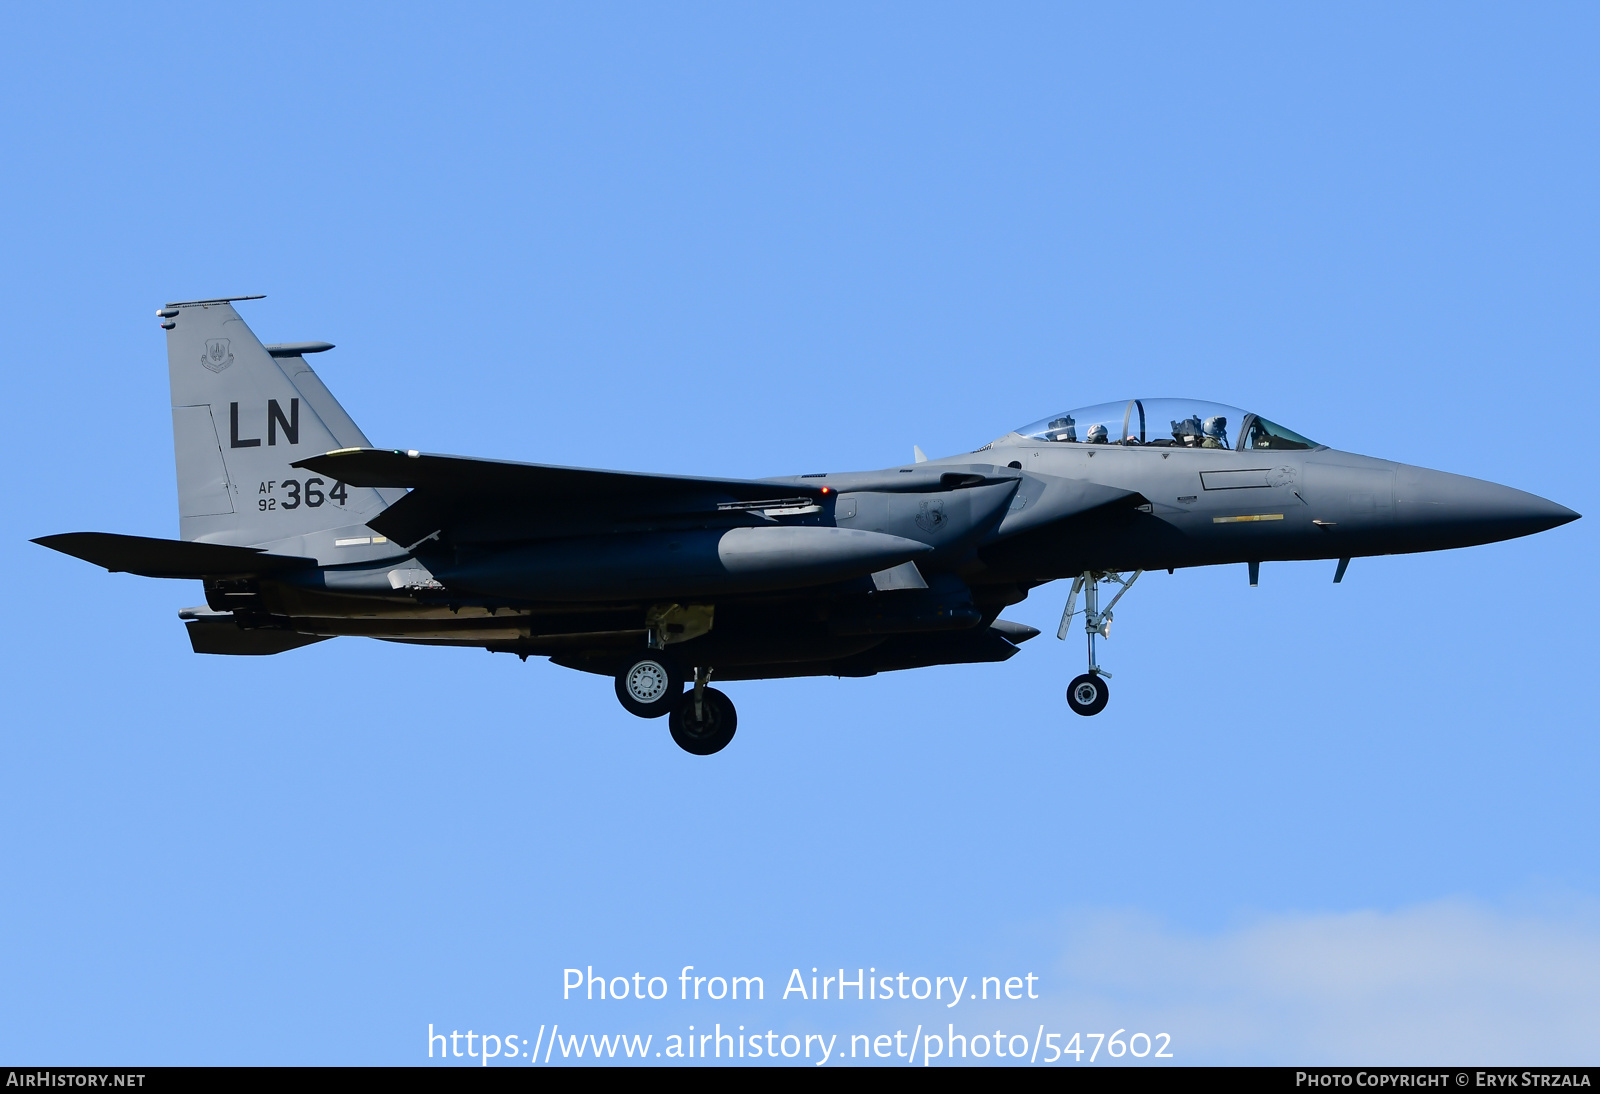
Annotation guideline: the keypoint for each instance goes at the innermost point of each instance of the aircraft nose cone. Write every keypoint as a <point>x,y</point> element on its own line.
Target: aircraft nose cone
<point>1553,515</point>
<point>1435,505</point>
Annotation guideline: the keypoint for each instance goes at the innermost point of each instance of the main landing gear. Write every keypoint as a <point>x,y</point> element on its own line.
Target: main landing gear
<point>651,686</point>
<point>702,720</point>
<point>1088,694</point>
<point>705,720</point>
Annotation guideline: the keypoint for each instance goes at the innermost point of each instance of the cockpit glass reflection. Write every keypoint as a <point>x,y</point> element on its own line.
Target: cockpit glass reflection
<point>1166,423</point>
<point>1265,434</point>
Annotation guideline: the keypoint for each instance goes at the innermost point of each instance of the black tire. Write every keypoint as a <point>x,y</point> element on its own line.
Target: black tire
<point>1087,694</point>
<point>650,686</point>
<point>712,731</point>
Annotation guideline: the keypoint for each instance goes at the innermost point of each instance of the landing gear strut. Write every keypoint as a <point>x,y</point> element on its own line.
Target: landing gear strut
<point>1088,694</point>
<point>704,720</point>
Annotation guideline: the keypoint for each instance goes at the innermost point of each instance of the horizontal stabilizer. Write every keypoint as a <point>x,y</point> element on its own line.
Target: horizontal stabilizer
<point>458,475</point>
<point>168,557</point>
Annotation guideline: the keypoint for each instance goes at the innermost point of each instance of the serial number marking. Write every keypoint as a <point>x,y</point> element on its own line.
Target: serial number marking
<point>1116,1046</point>
<point>309,494</point>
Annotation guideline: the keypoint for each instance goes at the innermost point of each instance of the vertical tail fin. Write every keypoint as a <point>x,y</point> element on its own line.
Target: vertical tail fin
<point>241,414</point>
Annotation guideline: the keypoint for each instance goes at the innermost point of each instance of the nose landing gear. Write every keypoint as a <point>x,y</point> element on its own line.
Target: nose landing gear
<point>1088,694</point>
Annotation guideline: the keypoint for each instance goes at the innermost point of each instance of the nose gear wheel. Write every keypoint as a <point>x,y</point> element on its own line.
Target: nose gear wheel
<point>1087,694</point>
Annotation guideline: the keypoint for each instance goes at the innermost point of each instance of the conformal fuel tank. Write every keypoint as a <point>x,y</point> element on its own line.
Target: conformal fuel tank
<point>690,563</point>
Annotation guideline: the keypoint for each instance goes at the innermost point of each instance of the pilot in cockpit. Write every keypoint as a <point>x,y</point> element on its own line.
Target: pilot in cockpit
<point>1216,433</point>
<point>1187,433</point>
<point>1097,434</point>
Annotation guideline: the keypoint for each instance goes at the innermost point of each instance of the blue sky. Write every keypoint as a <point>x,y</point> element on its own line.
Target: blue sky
<point>737,240</point>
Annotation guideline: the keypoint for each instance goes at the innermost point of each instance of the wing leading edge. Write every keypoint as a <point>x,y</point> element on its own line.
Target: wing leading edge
<point>462,475</point>
<point>455,492</point>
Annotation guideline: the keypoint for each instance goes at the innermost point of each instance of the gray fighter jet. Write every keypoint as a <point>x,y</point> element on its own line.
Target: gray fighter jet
<point>302,531</point>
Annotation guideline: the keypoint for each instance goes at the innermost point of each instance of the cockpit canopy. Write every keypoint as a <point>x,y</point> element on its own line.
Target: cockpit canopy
<point>1167,423</point>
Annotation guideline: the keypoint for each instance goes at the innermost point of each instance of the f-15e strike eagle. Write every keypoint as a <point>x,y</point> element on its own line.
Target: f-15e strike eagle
<point>302,531</point>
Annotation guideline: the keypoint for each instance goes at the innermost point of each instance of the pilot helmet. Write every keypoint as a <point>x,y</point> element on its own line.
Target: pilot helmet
<point>1097,434</point>
<point>1217,427</point>
<point>1187,431</point>
<point>1063,428</point>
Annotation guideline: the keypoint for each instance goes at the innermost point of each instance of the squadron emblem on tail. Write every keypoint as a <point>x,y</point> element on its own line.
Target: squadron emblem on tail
<point>217,355</point>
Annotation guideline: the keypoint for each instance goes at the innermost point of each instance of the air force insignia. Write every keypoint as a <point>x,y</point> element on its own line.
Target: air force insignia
<point>930,516</point>
<point>217,355</point>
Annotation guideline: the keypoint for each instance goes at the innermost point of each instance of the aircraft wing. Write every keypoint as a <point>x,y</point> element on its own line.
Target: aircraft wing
<point>483,498</point>
<point>168,557</point>
<point>462,475</point>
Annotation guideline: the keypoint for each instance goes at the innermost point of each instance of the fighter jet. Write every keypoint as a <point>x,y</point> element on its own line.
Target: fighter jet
<point>302,531</point>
